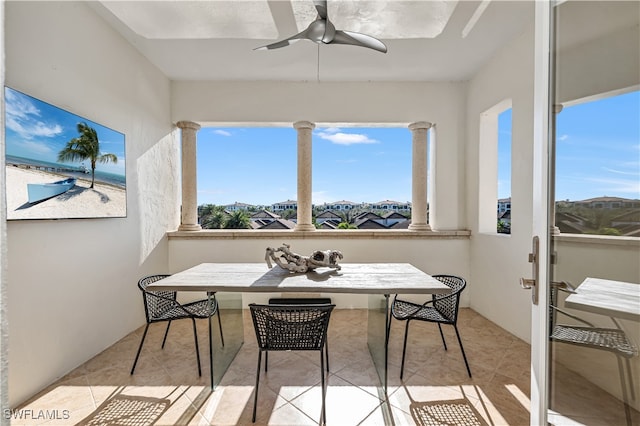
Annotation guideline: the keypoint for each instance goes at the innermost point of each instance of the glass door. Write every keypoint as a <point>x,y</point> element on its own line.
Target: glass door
<point>593,287</point>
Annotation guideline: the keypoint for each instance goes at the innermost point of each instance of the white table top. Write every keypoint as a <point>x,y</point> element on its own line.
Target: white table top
<point>360,278</point>
<point>612,298</point>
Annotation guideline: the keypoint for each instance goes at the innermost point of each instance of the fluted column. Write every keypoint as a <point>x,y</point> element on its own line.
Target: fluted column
<point>189,216</point>
<point>304,129</point>
<point>432,196</point>
<point>419,176</point>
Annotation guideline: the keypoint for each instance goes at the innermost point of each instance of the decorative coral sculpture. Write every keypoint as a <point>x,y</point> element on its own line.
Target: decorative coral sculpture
<point>294,262</point>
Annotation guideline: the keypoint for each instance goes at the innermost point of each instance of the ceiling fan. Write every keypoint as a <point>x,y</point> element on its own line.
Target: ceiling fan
<point>323,31</point>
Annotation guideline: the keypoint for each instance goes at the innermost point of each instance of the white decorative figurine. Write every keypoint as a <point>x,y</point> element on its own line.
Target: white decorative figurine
<point>293,262</point>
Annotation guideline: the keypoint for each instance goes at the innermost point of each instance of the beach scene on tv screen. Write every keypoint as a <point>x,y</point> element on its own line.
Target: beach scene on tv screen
<point>60,165</point>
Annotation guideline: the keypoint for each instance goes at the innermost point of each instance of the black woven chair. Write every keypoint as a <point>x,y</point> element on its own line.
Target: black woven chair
<point>441,309</point>
<point>162,306</point>
<point>291,328</point>
<point>300,301</point>
<point>588,335</point>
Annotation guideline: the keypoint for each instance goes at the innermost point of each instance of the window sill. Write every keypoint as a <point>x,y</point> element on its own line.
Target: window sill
<point>250,234</point>
<point>598,239</point>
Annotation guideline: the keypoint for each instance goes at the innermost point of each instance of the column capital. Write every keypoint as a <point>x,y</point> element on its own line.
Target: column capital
<point>303,125</point>
<point>557,108</point>
<point>188,125</point>
<point>419,125</point>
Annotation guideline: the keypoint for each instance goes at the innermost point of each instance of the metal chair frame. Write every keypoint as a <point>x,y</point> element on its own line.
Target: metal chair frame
<point>441,309</point>
<point>300,327</point>
<point>161,306</point>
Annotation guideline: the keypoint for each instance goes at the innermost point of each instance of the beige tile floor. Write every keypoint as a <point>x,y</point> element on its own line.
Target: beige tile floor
<point>166,389</point>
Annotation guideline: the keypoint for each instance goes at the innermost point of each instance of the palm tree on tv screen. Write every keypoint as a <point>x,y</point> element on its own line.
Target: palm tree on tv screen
<point>86,147</point>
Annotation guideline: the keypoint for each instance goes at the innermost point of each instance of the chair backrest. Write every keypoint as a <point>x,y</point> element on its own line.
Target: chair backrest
<point>447,304</point>
<point>155,302</point>
<point>291,327</point>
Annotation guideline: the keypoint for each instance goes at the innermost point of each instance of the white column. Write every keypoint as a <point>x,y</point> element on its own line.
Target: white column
<point>304,129</point>
<point>189,217</point>
<point>431,179</point>
<point>419,176</point>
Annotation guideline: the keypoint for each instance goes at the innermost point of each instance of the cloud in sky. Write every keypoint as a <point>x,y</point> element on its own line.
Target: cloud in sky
<point>23,117</point>
<point>563,137</point>
<point>222,132</point>
<point>627,186</point>
<point>334,135</point>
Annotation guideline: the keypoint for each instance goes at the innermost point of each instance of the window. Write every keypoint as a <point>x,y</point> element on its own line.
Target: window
<point>494,168</point>
<point>597,166</point>
<point>355,170</point>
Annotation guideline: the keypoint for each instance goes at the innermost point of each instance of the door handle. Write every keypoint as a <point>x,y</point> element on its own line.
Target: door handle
<point>532,283</point>
<point>527,283</point>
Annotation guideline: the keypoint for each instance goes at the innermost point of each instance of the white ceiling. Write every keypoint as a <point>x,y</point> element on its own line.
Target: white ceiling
<point>427,40</point>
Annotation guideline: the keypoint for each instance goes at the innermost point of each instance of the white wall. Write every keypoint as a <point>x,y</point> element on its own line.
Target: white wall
<point>72,283</point>
<point>498,261</point>
<point>4,329</point>
<point>434,256</point>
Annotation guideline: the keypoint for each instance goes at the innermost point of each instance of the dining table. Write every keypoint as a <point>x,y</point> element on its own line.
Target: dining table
<point>615,299</point>
<point>226,282</point>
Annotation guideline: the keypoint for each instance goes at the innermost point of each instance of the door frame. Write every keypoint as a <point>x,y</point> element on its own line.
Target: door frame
<point>541,224</point>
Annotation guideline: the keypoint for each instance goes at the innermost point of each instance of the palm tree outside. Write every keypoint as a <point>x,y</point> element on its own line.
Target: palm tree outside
<point>86,147</point>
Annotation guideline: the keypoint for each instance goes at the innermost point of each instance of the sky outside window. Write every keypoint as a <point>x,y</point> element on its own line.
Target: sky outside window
<point>598,149</point>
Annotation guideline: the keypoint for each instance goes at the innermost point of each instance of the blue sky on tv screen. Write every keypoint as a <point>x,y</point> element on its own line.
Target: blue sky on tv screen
<point>37,131</point>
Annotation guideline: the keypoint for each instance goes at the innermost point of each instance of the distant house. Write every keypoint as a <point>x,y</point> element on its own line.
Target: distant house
<point>401,225</point>
<point>628,223</point>
<point>392,205</point>
<point>608,203</point>
<point>368,215</point>
<point>367,223</point>
<point>328,216</point>
<point>237,207</point>
<point>285,205</point>
<point>504,205</point>
<point>264,216</point>
<point>342,205</point>
<point>391,218</point>
<point>505,217</point>
<point>569,223</point>
<point>328,225</point>
<point>279,224</point>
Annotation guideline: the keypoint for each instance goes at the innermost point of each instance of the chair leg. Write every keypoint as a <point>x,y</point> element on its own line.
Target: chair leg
<point>195,337</point>
<point>144,335</point>
<point>627,410</point>
<point>220,325</point>
<point>255,397</point>
<point>442,335</point>
<point>266,360</point>
<point>633,392</point>
<point>464,356</point>
<point>166,333</point>
<point>323,414</point>
<point>326,351</point>
<point>404,348</point>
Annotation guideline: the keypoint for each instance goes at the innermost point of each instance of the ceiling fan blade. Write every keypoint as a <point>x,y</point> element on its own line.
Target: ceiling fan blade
<point>321,7</point>
<point>358,39</point>
<point>286,42</point>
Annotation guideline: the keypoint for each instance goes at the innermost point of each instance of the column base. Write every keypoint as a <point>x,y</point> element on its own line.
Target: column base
<point>304,227</point>
<point>419,227</point>
<point>189,227</point>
